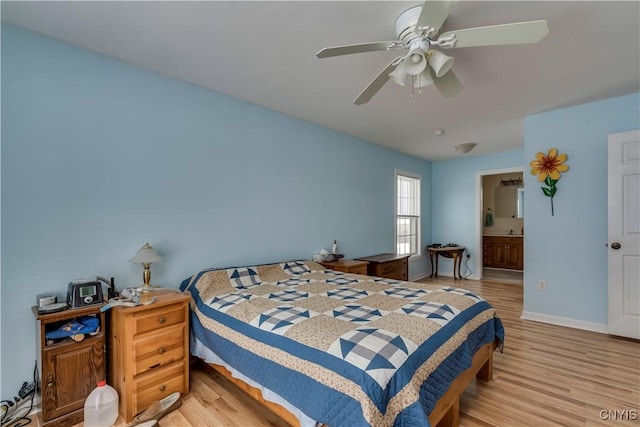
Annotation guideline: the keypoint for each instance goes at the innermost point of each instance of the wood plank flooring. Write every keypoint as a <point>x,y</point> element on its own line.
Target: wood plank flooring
<point>547,376</point>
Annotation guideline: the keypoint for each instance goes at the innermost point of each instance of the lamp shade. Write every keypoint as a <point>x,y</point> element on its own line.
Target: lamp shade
<point>146,255</point>
<point>416,62</point>
<point>440,62</point>
<point>423,79</point>
<point>399,75</point>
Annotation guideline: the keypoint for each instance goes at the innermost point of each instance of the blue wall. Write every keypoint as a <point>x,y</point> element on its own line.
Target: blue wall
<point>568,250</point>
<point>99,157</point>
<point>454,186</point>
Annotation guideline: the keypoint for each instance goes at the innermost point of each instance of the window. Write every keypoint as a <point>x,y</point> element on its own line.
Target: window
<point>407,213</point>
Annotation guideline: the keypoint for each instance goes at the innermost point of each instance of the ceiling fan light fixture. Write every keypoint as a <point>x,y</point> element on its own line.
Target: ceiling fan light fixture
<point>399,75</point>
<point>416,63</point>
<point>440,62</point>
<point>423,79</point>
<point>466,147</point>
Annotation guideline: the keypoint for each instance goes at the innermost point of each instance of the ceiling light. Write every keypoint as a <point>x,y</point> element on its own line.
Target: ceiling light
<point>399,75</point>
<point>465,148</point>
<point>417,61</point>
<point>440,62</point>
<point>438,132</point>
<point>423,79</point>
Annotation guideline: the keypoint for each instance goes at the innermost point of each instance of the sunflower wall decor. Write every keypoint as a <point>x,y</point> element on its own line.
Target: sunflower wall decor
<point>548,168</point>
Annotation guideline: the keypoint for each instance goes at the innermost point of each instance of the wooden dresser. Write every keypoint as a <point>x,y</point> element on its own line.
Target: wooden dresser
<point>390,266</point>
<point>347,266</point>
<point>149,351</point>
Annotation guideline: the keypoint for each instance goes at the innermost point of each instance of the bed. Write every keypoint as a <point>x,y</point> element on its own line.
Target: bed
<point>323,347</point>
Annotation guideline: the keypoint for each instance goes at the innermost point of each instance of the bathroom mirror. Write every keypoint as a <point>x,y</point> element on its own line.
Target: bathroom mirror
<point>509,202</point>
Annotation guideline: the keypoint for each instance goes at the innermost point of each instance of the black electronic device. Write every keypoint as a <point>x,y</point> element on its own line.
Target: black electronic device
<point>435,245</point>
<point>81,293</point>
<point>84,292</point>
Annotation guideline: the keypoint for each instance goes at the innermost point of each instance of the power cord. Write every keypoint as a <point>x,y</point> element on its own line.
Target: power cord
<point>13,412</point>
<point>465,261</point>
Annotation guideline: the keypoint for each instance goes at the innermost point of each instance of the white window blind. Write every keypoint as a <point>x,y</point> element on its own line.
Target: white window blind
<point>407,214</point>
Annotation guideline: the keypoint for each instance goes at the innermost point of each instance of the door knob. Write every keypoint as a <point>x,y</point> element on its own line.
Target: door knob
<point>616,245</point>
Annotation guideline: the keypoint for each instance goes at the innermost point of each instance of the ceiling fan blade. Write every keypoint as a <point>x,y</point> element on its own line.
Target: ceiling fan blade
<point>448,85</point>
<point>359,48</point>
<point>433,14</point>
<point>515,33</point>
<point>377,83</point>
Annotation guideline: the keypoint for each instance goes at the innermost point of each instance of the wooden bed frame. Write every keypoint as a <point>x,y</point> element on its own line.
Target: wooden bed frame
<point>446,413</point>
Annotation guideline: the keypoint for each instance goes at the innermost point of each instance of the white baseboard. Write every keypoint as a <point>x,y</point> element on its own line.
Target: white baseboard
<point>565,321</point>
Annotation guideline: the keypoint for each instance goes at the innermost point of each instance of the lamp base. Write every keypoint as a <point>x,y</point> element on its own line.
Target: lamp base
<point>146,288</point>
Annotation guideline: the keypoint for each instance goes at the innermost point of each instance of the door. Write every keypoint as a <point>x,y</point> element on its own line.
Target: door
<point>513,259</point>
<point>499,254</point>
<point>71,370</point>
<point>624,234</point>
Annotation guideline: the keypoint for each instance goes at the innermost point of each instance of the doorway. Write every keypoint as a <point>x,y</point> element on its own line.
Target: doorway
<point>500,213</point>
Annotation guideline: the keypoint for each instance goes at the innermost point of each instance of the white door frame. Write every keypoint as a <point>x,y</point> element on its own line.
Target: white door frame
<point>479,217</point>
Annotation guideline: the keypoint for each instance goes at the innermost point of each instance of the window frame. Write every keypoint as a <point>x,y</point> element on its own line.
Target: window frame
<point>418,177</point>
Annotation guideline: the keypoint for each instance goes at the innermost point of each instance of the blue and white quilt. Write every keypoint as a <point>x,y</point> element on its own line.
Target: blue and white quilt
<point>345,349</point>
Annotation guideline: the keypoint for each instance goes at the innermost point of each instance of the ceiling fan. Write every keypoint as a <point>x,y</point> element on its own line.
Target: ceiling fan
<point>417,29</point>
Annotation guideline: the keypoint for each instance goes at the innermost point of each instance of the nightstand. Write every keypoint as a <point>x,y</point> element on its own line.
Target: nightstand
<point>149,350</point>
<point>69,370</point>
<point>347,266</point>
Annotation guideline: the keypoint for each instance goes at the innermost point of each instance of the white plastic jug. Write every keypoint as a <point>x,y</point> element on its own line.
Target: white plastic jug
<point>101,406</point>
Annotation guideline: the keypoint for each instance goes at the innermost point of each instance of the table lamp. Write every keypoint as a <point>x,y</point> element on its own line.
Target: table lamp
<point>146,255</point>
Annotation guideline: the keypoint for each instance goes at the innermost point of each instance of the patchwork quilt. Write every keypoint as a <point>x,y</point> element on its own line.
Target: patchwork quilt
<point>346,349</point>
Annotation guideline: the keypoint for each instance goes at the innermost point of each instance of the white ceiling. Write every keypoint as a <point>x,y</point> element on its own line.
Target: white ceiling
<point>264,52</point>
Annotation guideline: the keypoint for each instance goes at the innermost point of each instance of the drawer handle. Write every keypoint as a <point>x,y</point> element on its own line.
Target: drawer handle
<point>155,366</point>
<point>162,320</point>
<point>161,350</point>
<point>163,388</point>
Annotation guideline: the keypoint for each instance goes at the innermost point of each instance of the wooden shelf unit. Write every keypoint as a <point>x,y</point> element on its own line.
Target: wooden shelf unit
<point>69,370</point>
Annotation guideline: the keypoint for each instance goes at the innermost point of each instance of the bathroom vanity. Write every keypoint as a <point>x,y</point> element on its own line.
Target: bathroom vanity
<point>502,252</point>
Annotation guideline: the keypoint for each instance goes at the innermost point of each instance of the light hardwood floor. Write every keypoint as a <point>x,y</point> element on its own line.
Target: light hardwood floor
<point>547,376</point>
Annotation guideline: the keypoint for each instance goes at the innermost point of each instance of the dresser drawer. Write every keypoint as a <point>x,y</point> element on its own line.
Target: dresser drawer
<point>360,270</point>
<point>157,384</point>
<point>159,348</point>
<point>393,266</point>
<point>150,320</point>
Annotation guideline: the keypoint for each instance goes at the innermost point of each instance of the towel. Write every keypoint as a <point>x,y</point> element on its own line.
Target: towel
<point>488,219</point>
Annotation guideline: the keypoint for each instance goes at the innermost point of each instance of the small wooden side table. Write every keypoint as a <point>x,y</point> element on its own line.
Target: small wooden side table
<point>347,266</point>
<point>69,370</point>
<point>454,252</point>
